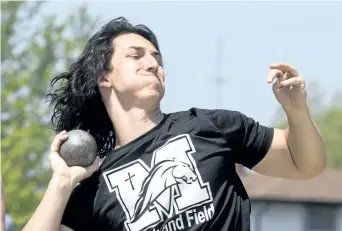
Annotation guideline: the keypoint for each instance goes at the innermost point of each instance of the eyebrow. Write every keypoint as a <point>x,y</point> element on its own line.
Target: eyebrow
<point>143,48</point>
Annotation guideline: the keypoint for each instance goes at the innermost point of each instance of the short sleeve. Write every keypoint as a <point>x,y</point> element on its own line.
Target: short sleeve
<point>78,214</point>
<point>249,139</point>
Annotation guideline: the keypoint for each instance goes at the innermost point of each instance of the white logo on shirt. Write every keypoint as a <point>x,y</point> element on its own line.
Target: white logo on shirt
<point>170,188</point>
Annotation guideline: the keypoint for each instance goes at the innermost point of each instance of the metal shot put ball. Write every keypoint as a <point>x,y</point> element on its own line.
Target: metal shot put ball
<point>79,149</point>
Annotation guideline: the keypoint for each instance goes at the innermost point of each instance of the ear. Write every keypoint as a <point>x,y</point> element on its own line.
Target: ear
<point>104,82</point>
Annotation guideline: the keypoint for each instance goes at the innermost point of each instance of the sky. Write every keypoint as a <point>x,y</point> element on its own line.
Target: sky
<point>247,36</point>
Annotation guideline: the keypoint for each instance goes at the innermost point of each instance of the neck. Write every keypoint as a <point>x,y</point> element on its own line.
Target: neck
<point>132,123</point>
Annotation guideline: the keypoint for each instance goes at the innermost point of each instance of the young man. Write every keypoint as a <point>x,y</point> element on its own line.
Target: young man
<point>163,171</point>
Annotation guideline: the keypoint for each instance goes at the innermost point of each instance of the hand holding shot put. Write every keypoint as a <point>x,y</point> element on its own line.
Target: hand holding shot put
<point>65,166</point>
<point>66,175</point>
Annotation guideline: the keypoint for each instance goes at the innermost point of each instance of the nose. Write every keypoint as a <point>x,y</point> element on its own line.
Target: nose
<point>151,64</point>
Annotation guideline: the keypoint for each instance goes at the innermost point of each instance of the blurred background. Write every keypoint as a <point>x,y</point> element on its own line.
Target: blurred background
<point>216,56</point>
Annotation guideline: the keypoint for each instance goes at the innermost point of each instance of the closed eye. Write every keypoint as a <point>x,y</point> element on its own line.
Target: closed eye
<point>135,53</point>
<point>135,56</point>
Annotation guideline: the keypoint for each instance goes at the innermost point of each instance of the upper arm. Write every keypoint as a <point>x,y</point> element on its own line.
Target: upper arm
<point>248,140</point>
<point>65,228</point>
<point>278,161</point>
<point>257,147</point>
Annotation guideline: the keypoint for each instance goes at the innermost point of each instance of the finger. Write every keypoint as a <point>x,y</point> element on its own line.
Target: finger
<point>285,68</point>
<point>276,85</point>
<point>54,157</point>
<point>286,76</point>
<point>59,138</point>
<point>274,74</point>
<point>296,82</point>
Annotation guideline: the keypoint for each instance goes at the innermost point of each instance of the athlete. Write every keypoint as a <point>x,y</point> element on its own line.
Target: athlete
<point>158,171</point>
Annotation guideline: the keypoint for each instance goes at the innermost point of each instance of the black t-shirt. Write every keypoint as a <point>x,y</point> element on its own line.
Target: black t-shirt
<point>178,176</point>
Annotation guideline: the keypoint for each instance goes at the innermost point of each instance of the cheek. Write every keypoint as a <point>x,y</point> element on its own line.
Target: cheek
<point>125,77</point>
<point>129,70</point>
<point>161,74</point>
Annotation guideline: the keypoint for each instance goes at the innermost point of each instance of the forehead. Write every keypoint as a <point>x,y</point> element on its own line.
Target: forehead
<point>125,41</point>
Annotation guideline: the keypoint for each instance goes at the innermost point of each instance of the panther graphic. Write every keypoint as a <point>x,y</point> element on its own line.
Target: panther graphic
<point>161,177</point>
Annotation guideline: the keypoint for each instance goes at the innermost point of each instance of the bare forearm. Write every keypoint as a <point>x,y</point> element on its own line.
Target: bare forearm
<point>305,143</point>
<point>2,217</point>
<point>49,213</point>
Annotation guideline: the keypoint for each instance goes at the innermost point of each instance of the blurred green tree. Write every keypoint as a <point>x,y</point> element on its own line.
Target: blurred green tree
<point>34,47</point>
<point>330,125</point>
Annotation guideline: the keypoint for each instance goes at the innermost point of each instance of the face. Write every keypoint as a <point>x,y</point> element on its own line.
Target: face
<point>138,76</point>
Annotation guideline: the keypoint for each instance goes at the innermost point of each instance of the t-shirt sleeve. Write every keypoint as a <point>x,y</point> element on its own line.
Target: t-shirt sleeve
<point>249,139</point>
<point>78,214</point>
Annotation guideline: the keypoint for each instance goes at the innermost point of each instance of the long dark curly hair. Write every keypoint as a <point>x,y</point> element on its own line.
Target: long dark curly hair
<point>76,101</point>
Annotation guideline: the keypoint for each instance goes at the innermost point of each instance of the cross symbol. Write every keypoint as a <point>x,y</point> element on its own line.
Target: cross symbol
<point>130,179</point>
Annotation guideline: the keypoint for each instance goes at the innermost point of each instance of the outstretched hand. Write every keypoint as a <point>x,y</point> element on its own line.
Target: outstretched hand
<point>289,88</point>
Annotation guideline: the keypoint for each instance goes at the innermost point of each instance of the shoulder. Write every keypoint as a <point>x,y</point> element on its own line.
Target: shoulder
<point>205,113</point>
<point>210,118</point>
<point>217,116</point>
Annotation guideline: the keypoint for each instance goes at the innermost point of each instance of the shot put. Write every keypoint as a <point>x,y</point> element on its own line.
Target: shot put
<point>79,149</point>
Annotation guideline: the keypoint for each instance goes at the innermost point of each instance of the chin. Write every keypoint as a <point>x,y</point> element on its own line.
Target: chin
<point>155,96</point>
<point>150,97</point>
<point>155,91</point>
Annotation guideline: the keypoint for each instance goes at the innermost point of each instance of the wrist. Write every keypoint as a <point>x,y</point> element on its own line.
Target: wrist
<point>63,183</point>
<point>298,115</point>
